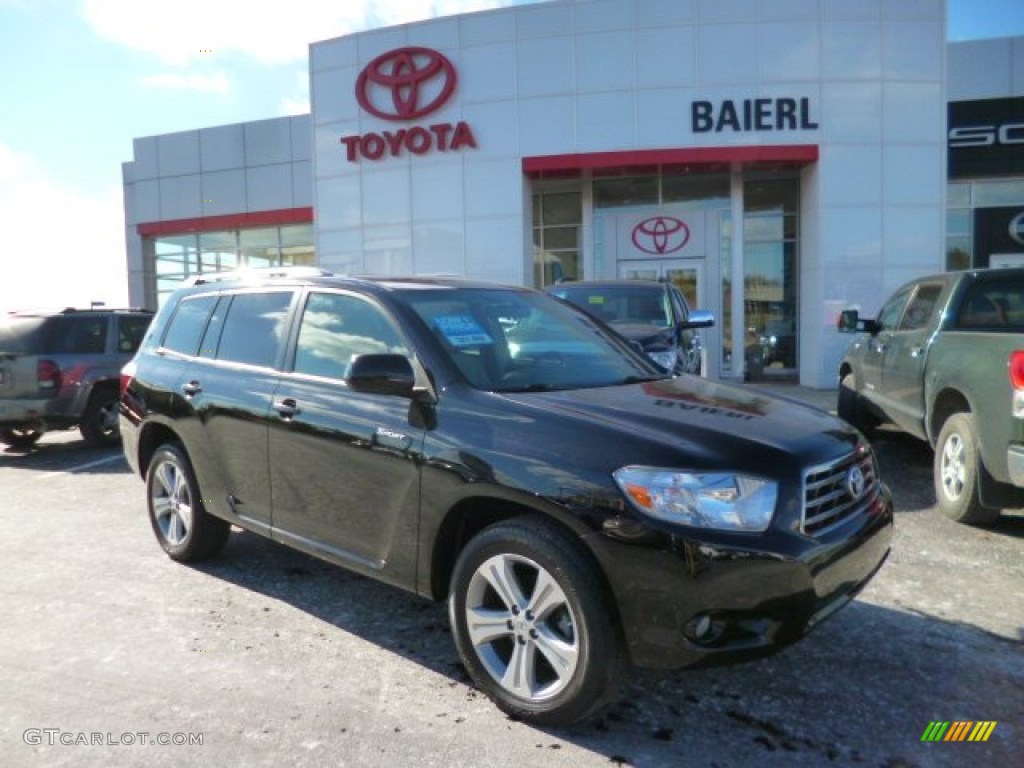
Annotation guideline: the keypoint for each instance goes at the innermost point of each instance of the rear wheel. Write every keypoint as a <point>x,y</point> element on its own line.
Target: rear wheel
<point>957,465</point>
<point>185,530</point>
<point>533,623</point>
<point>20,437</point>
<point>99,426</point>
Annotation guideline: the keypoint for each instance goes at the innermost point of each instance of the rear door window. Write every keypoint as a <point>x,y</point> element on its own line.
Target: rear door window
<point>77,335</point>
<point>254,328</point>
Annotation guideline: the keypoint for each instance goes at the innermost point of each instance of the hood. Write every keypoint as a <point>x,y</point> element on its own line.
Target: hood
<point>704,422</point>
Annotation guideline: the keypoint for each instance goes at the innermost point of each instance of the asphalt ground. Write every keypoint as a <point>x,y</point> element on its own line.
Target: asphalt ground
<point>272,658</point>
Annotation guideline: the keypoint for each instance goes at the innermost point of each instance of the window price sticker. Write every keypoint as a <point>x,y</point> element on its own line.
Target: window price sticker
<point>462,331</point>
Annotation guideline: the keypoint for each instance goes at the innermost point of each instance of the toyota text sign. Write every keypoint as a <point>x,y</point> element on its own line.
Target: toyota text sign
<point>401,86</point>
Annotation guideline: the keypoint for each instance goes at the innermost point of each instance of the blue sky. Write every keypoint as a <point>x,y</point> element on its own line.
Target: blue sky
<point>79,79</point>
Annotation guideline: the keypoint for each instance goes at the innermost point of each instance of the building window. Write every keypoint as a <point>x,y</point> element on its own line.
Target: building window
<point>557,218</point>
<point>979,217</point>
<point>179,257</point>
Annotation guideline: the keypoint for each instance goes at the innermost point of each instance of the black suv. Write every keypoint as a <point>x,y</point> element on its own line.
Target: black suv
<point>60,370</point>
<point>653,314</point>
<point>579,509</point>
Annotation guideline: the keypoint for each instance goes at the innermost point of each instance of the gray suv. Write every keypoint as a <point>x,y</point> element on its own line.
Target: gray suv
<point>59,370</point>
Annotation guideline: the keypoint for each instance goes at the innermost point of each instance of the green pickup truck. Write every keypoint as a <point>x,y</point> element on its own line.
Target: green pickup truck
<point>944,361</point>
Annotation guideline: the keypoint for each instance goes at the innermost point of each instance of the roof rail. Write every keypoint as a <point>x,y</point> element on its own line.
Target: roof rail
<point>262,273</point>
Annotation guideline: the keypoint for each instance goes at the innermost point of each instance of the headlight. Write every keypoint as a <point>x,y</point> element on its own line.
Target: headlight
<point>666,358</point>
<point>721,500</point>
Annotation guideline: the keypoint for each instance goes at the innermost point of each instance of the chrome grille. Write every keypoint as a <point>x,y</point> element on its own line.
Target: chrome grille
<point>829,489</point>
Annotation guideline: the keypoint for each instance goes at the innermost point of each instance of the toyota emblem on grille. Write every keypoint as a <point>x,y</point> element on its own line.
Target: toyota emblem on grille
<point>660,235</point>
<point>855,483</point>
<point>418,80</point>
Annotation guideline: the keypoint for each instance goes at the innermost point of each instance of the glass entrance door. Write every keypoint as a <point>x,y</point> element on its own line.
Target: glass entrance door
<point>686,274</point>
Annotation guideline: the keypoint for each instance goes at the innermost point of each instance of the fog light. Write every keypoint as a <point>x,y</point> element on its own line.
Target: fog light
<point>704,629</point>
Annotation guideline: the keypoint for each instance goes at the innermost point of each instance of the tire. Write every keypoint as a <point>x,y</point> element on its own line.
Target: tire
<point>185,530</point>
<point>99,425</point>
<point>540,606</point>
<point>20,437</point>
<point>956,471</point>
<point>849,407</point>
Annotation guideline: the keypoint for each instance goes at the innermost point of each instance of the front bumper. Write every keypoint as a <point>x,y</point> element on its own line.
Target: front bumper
<point>689,603</point>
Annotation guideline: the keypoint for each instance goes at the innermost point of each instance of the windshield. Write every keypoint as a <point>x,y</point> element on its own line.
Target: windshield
<point>520,341</point>
<point>621,304</point>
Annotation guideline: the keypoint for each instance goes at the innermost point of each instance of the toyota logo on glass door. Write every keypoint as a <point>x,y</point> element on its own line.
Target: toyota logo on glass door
<point>659,235</point>
<point>406,84</point>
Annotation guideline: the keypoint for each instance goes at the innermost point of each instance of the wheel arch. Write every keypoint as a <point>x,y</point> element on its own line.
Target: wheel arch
<point>153,436</point>
<point>944,404</point>
<point>470,515</point>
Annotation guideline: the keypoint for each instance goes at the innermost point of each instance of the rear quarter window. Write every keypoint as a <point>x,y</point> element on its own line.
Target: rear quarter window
<point>20,335</point>
<point>76,335</point>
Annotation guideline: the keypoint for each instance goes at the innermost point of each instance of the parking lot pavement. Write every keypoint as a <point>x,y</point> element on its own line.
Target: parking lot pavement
<point>273,658</point>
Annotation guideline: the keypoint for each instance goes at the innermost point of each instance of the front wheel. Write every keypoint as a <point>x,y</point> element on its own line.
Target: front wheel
<point>185,530</point>
<point>533,623</point>
<point>956,471</point>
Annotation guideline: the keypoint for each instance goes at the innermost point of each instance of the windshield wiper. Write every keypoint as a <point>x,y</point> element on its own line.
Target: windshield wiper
<point>530,388</point>
<point>642,379</point>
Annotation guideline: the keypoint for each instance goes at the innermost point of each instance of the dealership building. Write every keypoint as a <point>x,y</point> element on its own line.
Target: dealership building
<point>778,159</point>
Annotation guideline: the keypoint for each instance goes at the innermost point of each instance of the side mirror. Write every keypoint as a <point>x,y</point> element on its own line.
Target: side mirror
<point>699,318</point>
<point>381,375</point>
<point>848,321</point>
<point>851,322</point>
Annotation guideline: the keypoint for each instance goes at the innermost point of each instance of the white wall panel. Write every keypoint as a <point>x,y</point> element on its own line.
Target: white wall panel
<point>659,13</point>
<point>178,153</point>
<point>302,184</point>
<point>487,28</point>
<point>146,163</point>
<point>268,142</point>
<point>601,15</point>
<point>487,73</point>
<point>606,121</point>
<point>665,56</point>
<point>544,20</point>
<point>492,188</point>
<point>604,61</point>
<point>146,200</point>
<point>333,95</point>
<point>437,192</point>
<point>495,127</point>
<point>662,117</point>
<point>492,248</point>
<point>912,50</point>
<point>727,53</point>
<point>545,67</point>
<point>913,112</point>
<point>180,197</point>
<point>851,50</point>
<point>913,175</point>
<point>439,248</point>
<point>224,192</point>
<point>851,175</point>
<point>339,203</point>
<point>547,126</point>
<point>852,112</point>
<point>221,148</point>
<point>386,197</point>
<point>269,187</point>
<point>788,51</point>
<point>848,10</point>
<point>329,54</point>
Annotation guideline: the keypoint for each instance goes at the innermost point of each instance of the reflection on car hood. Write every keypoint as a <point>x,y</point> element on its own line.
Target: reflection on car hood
<point>641,332</point>
<point>703,418</point>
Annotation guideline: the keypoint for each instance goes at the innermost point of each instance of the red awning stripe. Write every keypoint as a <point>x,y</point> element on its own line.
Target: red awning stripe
<point>799,154</point>
<point>280,217</point>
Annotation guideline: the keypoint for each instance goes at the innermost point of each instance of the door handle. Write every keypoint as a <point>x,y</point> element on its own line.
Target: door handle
<point>916,351</point>
<point>192,388</point>
<point>287,408</point>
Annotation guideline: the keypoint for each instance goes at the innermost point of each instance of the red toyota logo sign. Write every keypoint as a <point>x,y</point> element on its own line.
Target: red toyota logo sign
<point>405,84</point>
<point>660,235</point>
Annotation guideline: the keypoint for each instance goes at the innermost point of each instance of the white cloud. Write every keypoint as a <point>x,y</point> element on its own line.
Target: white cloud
<point>208,83</point>
<point>62,247</point>
<point>274,31</point>
<point>298,102</point>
